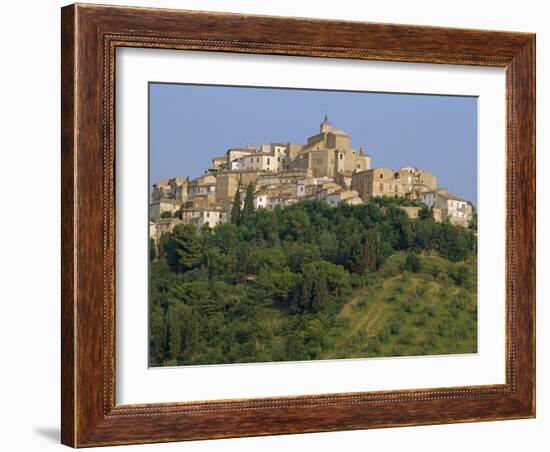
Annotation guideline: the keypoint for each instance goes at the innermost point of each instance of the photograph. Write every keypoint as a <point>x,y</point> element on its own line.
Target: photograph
<point>297,224</point>
<point>267,226</point>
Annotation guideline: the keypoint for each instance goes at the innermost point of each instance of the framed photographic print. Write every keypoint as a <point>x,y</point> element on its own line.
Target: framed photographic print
<point>281,225</point>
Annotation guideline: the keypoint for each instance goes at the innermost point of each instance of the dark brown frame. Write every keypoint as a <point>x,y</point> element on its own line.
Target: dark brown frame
<point>90,34</point>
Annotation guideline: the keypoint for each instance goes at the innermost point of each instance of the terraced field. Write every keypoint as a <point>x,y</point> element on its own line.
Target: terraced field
<point>432,311</point>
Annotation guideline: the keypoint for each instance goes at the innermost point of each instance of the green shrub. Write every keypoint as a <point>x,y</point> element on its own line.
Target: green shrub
<point>412,263</point>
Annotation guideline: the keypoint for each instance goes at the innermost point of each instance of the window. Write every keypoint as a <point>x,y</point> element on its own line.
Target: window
<point>268,161</point>
<point>257,159</point>
<point>381,186</point>
<point>341,156</point>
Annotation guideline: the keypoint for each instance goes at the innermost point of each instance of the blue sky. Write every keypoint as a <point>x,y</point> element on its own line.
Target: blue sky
<point>190,124</point>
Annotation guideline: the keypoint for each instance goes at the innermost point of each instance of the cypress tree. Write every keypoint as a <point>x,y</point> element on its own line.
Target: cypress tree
<point>248,208</point>
<point>236,209</point>
<point>320,294</point>
<point>174,333</point>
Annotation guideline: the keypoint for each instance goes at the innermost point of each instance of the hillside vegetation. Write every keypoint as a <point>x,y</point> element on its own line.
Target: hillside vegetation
<point>313,282</point>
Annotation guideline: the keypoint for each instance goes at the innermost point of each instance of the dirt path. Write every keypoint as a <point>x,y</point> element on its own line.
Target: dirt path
<point>368,321</point>
<point>347,309</point>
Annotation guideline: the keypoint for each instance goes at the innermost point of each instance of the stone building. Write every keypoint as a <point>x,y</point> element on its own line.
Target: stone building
<point>343,196</point>
<point>200,217</point>
<point>157,208</point>
<point>344,179</point>
<point>259,161</point>
<point>279,152</point>
<point>268,197</point>
<point>411,211</point>
<point>202,185</point>
<point>293,149</point>
<point>234,154</point>
<point>219,163</point>
<point>201,201</point>
<point>416,181</point>
<point>458,210</point>
<point>329,152</point>
<point>162,226</point>
<point>282,177</point>
<point>174,188</point>
<point>227,183</point>
<point>226,186</point>
<point>406,182</point>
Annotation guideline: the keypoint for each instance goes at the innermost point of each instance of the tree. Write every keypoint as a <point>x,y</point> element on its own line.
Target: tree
<point>412,263</point>
<point>320,297</point>
<point>217,262</point>
<point>183,248</point>
<point>163,242</point>
<point>236,209</point>
<point>166,214</point>
<point>460,274</point>
<point>454,242</point>
<point>189,331</point>
<point>402,229</point>
<point>157,334</point>
<point>276,286</point>
<point>321,280</point>
<point>308,283</point>
<point>248,208</point>
<point>423,234</point>
<point>152,249</point>
<point>365,259</point>
<point>425,212</point>
<point>174,332</point>
<point>297,221</point>
<point>472,224</point>
<point>335,276</point>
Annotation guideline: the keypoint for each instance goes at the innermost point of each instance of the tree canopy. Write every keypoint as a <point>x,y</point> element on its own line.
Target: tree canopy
<point>210,289</point>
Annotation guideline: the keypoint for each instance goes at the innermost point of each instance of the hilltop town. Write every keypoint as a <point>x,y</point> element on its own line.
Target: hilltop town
<point>321,256</point>
<point>327,168</point>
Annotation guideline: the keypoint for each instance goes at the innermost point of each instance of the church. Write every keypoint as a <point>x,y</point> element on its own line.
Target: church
<point>329,154</point>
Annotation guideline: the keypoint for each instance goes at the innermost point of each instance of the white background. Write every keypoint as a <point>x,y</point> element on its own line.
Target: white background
<point>30,226</point>
<point>137,384</point>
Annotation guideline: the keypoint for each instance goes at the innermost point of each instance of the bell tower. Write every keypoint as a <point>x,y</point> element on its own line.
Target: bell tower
<point>325,125</point>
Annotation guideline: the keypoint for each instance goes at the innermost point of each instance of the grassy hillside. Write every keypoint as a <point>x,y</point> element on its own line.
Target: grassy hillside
<point>431,311</point>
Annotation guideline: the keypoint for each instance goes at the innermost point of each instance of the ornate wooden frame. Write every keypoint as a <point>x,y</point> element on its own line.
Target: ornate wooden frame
<point>90,35</point>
